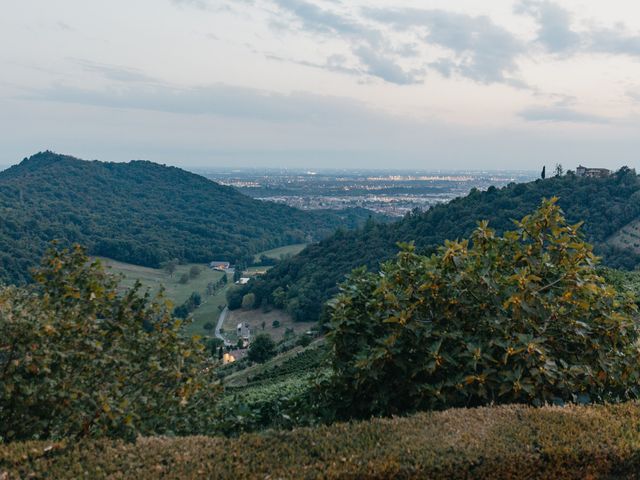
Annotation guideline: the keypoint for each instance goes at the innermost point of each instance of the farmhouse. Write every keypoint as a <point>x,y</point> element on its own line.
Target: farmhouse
<point>592,172</point>
<point>244,333</point>
<point>220,265</point>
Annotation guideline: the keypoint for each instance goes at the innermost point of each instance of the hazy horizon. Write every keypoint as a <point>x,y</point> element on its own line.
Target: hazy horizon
<point>416,84</point>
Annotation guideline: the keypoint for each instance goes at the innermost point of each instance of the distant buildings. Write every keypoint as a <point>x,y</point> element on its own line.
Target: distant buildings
<point>222,266</point>
<point>244,333</point>
<point>592,172</point>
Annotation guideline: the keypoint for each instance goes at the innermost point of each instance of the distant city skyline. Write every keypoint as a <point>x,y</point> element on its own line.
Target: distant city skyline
<point>403,84</point>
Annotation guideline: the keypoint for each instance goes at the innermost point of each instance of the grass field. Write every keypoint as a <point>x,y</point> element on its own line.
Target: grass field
<point>255,318</point>
<point>281,252</point>
<point>152,279</point>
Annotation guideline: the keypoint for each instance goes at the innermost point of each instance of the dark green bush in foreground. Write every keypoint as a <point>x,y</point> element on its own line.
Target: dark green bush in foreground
<point>512,442</point>
<point>78,359</point>
<point>519,318</point>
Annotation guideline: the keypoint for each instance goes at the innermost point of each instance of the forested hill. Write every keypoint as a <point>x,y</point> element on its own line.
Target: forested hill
<point>141,212</point>
<point>304,282</point>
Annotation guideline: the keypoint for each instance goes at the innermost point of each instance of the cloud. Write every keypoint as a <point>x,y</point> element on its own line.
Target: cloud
<point>556,35</point>
<point>616,41</point>
<point>560,114</point>
<point>368,45</point>
<point>480,49</point>
<point>384,67</point>
<point>112,72</point>
<point>201,4</point>
<point>554,25</point>
<point>320,20</point>
<point>217,100</point>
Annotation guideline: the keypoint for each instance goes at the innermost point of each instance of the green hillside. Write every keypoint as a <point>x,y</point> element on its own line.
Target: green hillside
<point>304,282</point>
<point>142,213</point>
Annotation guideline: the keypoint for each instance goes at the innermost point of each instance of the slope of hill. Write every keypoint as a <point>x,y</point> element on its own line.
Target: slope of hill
<point>301,284</point>
<point>142,213</point>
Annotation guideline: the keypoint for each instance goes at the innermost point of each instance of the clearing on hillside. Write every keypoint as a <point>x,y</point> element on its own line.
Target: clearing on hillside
<point>152,279</point>
<point>255,318</point>
<point>282,252</point>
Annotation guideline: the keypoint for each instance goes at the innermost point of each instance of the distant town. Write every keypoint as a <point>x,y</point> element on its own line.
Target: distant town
<point>392,193</point>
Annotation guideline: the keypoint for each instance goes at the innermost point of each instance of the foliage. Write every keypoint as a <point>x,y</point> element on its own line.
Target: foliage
<point>304,362</point>
<point>279,403</point>
<point>262,348</point>
<point>170,266</point>
<point>305,282</point>
<point>522,318</point>
<point>248,301</point>
<point>79,359</point>
<point>194,271</point>
<point>502,443</point>
<point>188,306</point>
<point>234,298</point>
<point>142,213</point>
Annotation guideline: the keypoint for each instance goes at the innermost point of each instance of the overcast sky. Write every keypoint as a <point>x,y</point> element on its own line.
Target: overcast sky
<point>381,83</point>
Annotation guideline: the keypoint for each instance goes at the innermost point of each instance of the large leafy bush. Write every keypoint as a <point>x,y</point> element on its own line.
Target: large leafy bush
<point>519,318</point>
<point>78,358</point>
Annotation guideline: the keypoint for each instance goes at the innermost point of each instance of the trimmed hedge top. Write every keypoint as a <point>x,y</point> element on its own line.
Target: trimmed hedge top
<point>493,442</point>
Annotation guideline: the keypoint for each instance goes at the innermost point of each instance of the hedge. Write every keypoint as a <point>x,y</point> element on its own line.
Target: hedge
<point>493,442</point>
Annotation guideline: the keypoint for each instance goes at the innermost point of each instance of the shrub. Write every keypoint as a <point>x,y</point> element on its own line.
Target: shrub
<point>500,443</point>
<point>275,324</point>
<point>262,348</point>
<point>194,271</point>
<point>208,326</point>
<point>521,318</point>
<point>184,278</point>
<point>79,359</point>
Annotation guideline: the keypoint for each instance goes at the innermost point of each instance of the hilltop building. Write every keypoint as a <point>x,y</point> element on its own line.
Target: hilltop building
<point>592,172</point>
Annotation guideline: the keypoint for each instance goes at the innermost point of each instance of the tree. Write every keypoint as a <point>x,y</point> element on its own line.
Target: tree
<point>275,324</point>
<point>519,318</point>
<point>279,296</point>
<point>170,266</point>
<point>544,172</point>
<point>194,271</point>
<point>248,301</point>
<point>559,171</point>
<point>237,273</point>
<point>79,358</point>
<point>184,279</point>
<point>234,298</point>
<point>262,348</point>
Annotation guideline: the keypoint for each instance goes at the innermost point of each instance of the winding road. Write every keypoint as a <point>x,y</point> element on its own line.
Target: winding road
<point>221,319</point>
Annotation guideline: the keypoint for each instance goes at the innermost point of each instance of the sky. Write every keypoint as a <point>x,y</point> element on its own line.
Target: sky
<point>424,84</point>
